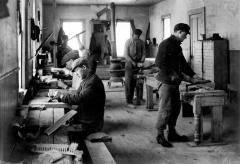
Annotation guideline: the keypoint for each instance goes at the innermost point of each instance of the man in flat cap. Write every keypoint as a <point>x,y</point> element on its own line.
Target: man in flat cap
<point>134,53</point>
<point>171,68</point>
<point>90,97</point>
<point>69,58</point>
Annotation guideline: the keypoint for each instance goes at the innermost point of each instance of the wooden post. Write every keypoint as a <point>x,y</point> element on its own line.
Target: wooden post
<point>113,31</point>
<point>216,123</point>
<point>54,33</point>
<point>197,120</point>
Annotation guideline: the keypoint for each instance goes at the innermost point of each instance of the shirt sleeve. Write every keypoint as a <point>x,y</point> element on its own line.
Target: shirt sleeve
<point>186,68</point>
<point>161,60</point>
<point>84,95</point>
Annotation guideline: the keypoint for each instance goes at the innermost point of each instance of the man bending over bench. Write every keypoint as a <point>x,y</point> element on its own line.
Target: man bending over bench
<point>90,98</point>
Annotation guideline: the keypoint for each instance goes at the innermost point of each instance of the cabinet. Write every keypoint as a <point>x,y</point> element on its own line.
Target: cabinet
<point>212,62</point>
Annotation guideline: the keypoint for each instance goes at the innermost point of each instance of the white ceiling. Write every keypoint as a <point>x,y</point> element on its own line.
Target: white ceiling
<point>104,2</point>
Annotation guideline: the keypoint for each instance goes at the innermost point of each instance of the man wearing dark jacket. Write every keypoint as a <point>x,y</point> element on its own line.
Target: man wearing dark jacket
<point>172,65</point>
<point>90,97</point>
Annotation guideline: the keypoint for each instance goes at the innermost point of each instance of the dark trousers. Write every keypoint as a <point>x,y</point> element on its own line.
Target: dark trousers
<point>130,81</point>
<point>169,106</point>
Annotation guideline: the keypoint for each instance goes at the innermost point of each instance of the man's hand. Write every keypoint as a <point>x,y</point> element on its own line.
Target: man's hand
<point>61,84</point>
<point>139,65</point>
<point>134,63</point>
<point>52,94</point>
<point>67,71</point>
<point>197,79</point>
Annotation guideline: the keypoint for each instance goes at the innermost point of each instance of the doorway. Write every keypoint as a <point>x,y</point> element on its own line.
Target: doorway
<point>197,25</point>
<point>123,33</point>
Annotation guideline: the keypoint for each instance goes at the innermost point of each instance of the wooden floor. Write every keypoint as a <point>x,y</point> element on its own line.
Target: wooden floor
<point>134,136</point>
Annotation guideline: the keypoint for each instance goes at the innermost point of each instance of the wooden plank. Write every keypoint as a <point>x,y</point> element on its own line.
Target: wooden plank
<point>60,122</point>
<point>99,153</point>
<point>44,92</point>
<point>204,93</point>
<point>212,101</point>
<point>44,101</point>
<point>60,136</point>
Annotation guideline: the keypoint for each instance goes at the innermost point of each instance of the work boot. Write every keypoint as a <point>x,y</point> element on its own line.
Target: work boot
<point>130,105</point>
<point>175,137</point>
<point>161,140</point>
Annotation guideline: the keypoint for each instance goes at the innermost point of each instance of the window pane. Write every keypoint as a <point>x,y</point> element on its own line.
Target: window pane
<point>123,33</point>
<point>166,28</point>
<point>71,29</point>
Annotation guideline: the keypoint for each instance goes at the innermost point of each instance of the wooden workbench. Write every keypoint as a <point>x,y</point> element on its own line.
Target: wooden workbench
<point>42,118</point>
<point>214,99</point>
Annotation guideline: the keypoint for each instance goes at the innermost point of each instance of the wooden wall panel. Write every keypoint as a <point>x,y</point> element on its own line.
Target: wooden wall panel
<point>8,40</point>
<point>8,103</point>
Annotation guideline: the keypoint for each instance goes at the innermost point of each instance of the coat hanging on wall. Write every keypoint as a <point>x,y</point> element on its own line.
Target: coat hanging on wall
<point>35,31</point>
<point>4,9</point>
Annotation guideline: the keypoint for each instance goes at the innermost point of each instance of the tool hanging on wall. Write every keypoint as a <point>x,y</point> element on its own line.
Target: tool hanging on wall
<point>4,9</point>
<point>35,31</point>
<point>53,43</point>
<point>44,41</point>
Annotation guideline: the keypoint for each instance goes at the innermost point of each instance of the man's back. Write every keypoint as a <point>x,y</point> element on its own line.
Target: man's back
<point>90,98</point>
<point>135,48</point>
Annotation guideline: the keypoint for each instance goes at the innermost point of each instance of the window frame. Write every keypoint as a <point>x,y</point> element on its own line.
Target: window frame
<point>131,32</point>
<point>167,16</point>
<point>76,20</point>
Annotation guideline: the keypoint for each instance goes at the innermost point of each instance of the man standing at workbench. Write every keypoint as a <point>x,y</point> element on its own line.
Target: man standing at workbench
<point>171,67</point>
<point>134,53</point>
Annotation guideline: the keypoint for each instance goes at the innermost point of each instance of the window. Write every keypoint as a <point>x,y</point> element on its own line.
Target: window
<point>19,43</point>
<point>166,26</point>
<point>72,28</point>
<point>123,33</point>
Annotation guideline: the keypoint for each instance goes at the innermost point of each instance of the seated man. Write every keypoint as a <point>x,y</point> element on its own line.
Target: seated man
<point>90,98</point>
<point>65,73</point>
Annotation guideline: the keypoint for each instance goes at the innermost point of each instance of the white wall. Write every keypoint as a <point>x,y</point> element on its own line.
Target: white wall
<point>222,16</point>
<point>88,12</point>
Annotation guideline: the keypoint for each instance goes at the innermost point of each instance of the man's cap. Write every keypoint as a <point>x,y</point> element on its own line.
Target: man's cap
<point>70,55</point>
<point>87,61</point>
<point>138,32</point>
<point>183,27</point>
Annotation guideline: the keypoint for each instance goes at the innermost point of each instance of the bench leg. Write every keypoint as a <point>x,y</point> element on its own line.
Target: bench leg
<point>138,100</point>
<point>198,129</point>
<point>149,91</point>
<point>216,123</point>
